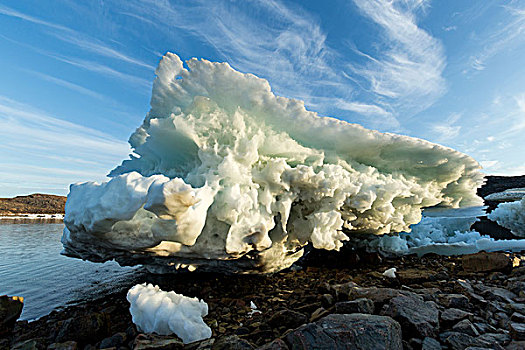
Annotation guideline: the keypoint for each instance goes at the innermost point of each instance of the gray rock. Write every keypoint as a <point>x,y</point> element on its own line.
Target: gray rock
<point>232,342</point>
<point>277,344</point>
<point>452,316</point>
<point>484,327</point>
<point>517,330</point>
<point>84,328</point>
<point>457,301</point>
<point>465,326</point>
<point>158,342</point>
<point>456,340</point>
<point>113,341</point>
<point>430,344</point>
<point>516,345</point>
<point>10,310</point>
<point>68,345</point>
<point>288,319</point>
<point>358,306</point>
<point>417,317</point>
<point>488,339</point>
<point>499,294</point>
<point>517,317</point>
<point>350,331</point>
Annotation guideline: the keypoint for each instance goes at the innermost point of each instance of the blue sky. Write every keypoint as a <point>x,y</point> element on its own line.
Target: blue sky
<point>76,76</point>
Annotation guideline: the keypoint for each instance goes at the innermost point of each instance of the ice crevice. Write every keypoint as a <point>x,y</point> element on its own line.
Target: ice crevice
<point>227,176</point>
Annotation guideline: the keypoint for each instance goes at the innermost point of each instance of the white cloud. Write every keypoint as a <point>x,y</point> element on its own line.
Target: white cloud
<point>31,139</point>
<point>508,34</point>
<point>448,129</point>
<point>408,69</point>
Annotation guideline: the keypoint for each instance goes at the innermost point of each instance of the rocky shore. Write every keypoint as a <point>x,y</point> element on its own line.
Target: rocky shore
<point>434,302</point>
<point>32,204</point>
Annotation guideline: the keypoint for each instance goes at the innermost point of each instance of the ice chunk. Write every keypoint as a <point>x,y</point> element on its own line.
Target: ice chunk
<point>390,273</point>
<point>227,176</point>
<point>164,313</point>
<point>511,215</point>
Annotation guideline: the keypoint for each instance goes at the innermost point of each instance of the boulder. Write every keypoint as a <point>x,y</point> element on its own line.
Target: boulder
<point>417,317</point>
<point>10,310</point>
<point>458,301</point>
<point>517,330</point>
<point>430,344</point>
<point>486,262</point>
<point>277,344</point>
<point>84,328</point>
<point>353,331</point>
<point>452,316</point>
<point>288,319</point>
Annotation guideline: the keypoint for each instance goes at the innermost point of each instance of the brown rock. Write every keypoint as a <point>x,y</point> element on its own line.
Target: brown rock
<point>486,262</point>
<point>69,345</point>
<point>159,342</point>
<point>10,310</point>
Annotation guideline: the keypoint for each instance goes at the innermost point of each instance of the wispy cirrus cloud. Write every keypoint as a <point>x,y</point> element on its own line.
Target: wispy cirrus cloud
<point>31,140</point>
<point>447,129</point>
<point>507,35</point>
<point>75,38</point>
<point>407,69</point>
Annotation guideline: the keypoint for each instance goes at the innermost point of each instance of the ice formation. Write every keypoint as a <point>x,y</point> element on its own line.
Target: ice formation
<point>164,313</point>
<point>445,232</point>
<point>225,175</point>
<point>511,215</point>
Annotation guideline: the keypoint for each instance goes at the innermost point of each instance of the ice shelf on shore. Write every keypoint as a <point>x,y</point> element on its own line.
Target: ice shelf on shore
<point>445,232</point>
<point>154,310</point>
<point>227,176</point>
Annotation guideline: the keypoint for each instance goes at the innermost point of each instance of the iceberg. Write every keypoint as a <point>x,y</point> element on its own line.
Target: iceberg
<point>227,176</point>
<point>511,215</point>
<point>165,313</point>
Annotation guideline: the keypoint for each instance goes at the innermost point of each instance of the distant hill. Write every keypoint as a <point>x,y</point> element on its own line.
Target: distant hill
<point>33,204</point>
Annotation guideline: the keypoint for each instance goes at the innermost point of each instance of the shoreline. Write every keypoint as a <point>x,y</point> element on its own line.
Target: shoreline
<point>488,302</point>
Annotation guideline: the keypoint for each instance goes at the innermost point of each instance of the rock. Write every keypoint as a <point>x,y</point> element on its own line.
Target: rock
<point>417,317</point>
<point>430,344</point>
<point>456,340</point>
<point>486,262</point>
<point>277,344</point>
<point>499,294</point>
<point>516,345</point>
<point>359,306</point>
<point>458,301</point>
<point>466,327</point>
<point>342,291</point>
<point>68,345</point>
<point>327,300</point>
<point>288,319</point>
<point>232,342</point>
<point>319,313</point>
<point>517,330</point>
<point>350,331</point>
<point>489,339</point>
<point>113,341</point>
<point>158,342</point>
<point>517,317</point>
<point>10,310</point>
<point>484,327</point>
<point>415,275</point>
<point>452,316</point>
<point>86,328</point>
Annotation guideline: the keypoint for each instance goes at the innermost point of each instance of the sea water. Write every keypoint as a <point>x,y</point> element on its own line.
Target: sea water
<point>31,266</point>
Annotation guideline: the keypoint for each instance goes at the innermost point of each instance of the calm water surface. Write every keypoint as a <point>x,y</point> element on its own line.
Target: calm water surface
<point>31,266</point>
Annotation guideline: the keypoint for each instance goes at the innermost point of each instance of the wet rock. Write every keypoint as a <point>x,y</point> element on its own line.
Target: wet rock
<point>158,342</point>
<point>430,344</point>
<point>287,319</point>
<point>359,306</point>
<point>277,344</point>
<point>86,328</point>
<point>232,342</point>
<point>417,317</point>
<point>68,345</point>
<point>486,262</point>
<point>517,330</point>
<point>10,310</point>
<point>457,301</point>
<point>351,331</point>
<point>452,316</point>
<point>466,327</point>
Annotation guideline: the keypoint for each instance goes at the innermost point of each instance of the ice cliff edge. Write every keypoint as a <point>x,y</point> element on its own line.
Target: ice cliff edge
<point>227,176</point>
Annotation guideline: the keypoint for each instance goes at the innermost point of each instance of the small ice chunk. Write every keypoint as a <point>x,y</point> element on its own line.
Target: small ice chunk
<point>390,273</point>
<point>154,310</point>
<point>254,309</point>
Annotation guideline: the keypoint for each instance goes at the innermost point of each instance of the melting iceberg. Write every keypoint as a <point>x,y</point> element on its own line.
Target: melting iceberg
<point>165,313</point>
<point>227,176</point>
<point>511,215</point>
